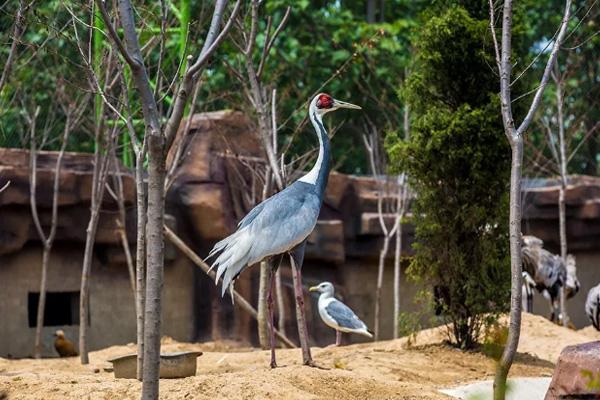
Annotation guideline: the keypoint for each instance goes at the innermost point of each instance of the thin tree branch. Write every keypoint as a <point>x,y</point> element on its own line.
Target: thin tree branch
<point>549,65</point>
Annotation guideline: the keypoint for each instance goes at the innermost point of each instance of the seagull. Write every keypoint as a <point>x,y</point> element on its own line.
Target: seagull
<point>64,347</point>
<point>337,315</point>
<point>592,306</point>
<point>280,225</point>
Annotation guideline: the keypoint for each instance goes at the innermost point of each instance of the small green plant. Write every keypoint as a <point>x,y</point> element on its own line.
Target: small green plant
<point>409,326</point>
<point>494,340</point>
<point>594,379</point>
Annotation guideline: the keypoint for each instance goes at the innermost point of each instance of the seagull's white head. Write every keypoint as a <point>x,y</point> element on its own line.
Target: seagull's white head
<point>324,103</point>
<point>323,288</point>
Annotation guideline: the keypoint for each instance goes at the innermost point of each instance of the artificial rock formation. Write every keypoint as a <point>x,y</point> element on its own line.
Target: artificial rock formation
<point>16,223</point>
<point>577,368</point>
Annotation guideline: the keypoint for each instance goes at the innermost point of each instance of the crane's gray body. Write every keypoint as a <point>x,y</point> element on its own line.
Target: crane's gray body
<point>275,226</point>
<point>278,224</point>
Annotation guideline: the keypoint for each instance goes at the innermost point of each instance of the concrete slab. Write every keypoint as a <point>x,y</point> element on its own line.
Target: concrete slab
<point>518,389</point>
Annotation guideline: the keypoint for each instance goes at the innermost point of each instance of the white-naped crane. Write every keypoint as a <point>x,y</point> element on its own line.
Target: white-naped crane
<point>547,273</point>
<point>337,315</point>
<point>592,306</point>
<point>280,225</point>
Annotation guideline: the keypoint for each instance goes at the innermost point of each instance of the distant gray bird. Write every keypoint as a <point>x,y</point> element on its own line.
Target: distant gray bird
<point>281,224</point>
<point>337,315</point>
<point>592,306</point>
<point>547,273</point>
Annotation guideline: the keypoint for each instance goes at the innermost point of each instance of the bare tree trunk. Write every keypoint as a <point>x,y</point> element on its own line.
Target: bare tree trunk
<point>380,271</point>
<point>516,271</point>
<point>563,246</point>
<point>515,138</point>
<point>563,186</point>
<point>300,317</point>
<point>215,315</point>
<point>371,145</point>
<point>41,307</point>
<point>397,273</point>
<point>49,240</point>
<point>140,260</point>
<point>263,331</point>
<point>154,264</point>
<point>85,278</point>
<point>18,29</point>
<point>401,208</point>
<point>159,139</point>
<point>101,165</point>
<point>280,301</point>
<point>121,225</point>
<point>263,283</point>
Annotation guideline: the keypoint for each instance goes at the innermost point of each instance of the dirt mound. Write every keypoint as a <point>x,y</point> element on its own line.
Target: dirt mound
<point>590,332</point>
<point>385,369</point>
<point>539,337</point>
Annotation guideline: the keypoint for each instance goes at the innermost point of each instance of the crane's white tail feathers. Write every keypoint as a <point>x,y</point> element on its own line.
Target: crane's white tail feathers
<point>222,244</point>
<point>233,258</point>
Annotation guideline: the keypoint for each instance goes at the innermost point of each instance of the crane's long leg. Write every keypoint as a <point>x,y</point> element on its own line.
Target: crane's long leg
<point>270,308</point>
<point>296,258</point>
<point>274,266</point>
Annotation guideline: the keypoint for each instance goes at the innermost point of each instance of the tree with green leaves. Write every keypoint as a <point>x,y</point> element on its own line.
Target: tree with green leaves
<point>458,165</point>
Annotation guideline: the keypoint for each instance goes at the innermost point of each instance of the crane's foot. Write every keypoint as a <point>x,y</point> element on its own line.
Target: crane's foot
<point>273,364</point>
<point>312,364</point>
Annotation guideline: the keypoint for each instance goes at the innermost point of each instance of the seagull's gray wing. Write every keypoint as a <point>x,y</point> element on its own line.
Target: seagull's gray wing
<point>344,316</point>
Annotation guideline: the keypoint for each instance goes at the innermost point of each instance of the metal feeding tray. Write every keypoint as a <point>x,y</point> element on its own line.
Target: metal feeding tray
<point>172,365</point>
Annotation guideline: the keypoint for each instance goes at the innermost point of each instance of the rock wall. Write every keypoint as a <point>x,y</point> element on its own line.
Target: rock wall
<point>16,223</point>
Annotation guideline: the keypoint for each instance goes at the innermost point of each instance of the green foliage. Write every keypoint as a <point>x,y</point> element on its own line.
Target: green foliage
<point>458,161</point>
<point>593,379</point>
<point>581,106</point>
<point>494,340</point>
<point>409,326</point>
<point>328,46</point>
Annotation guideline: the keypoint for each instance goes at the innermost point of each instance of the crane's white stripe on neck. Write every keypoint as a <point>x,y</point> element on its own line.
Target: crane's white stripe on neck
<point>313,174</point>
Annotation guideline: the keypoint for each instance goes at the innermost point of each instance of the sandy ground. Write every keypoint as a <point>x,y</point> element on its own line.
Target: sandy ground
<point>383,370</point>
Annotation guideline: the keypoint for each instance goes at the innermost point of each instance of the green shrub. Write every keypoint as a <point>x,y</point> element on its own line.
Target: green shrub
<point>458,162</point>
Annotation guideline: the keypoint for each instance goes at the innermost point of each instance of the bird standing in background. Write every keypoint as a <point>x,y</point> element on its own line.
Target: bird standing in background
<point>280,225</point>
<point>337,315</point>
<point>547,273</point>
<point>64,347</point>
<point>592,306</point>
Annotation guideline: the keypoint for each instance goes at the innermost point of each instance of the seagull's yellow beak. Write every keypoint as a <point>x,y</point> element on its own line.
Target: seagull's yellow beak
<point>313,289</point>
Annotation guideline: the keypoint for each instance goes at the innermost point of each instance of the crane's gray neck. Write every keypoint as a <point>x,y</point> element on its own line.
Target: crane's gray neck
<point>320,171</point>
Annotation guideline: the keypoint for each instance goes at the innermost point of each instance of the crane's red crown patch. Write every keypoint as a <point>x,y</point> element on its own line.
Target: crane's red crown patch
<point>325,101</point>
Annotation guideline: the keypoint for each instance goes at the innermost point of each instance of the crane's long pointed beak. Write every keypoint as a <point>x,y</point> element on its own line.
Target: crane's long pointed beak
<point>343,104</point>
<point>313,289</point>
